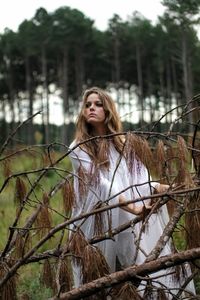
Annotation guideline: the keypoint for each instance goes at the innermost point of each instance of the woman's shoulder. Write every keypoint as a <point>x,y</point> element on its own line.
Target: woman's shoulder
<point>123,139</point>
<point>73,144</point>
<point>76,149</point>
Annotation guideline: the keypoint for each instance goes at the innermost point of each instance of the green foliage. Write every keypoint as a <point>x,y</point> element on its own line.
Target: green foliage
<point>23,163</point>
<point>197,286</point>
<point>188,9</point>
<point>179,236</point>
<point>64,50</point>
<point>29,276</point>
<point>31,286</point>
<point>133,55</point>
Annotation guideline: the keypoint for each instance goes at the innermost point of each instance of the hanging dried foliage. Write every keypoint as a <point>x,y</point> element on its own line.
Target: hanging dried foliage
<point>183,153</point>
<point>49,158</point>
<point>171,158</point>
<point>20,191</point>
<point>160,159</point>
<point>148,293</point>
<point>19,247</point>
<point>68,196</point>
<point>180,272</point>
<point>137,148</point>
<point>148,155</point>
<point>94,264</point>
<point>45,159</point>
<point>8,290</point>
<point>195,152</point>
<point>131,149</point>
<point>192,220</point>
<point>77,244</point>
<point>47,275</point>
<point>22,244</point>
<point>6,165</point>
<point>125,291</point>
<point>44,218</point>
<point>144,214</point>
<point>183,177</point>
<point>161,295</point>
<point>82,181</point>
<point>65,275</point>
<point>99,220</point>
<point>90,258</point>
<point>171,204</point>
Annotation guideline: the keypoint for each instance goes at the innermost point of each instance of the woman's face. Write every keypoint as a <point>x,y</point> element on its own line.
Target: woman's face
<point>94,112</point>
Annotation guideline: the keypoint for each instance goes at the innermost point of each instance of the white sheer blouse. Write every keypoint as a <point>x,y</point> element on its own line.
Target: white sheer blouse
<point>130,246</point>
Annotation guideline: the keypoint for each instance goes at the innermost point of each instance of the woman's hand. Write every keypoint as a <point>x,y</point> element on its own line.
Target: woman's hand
<point>161,188</point>
<point>132,208</point>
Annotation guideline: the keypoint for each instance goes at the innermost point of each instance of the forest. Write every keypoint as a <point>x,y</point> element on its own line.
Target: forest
<point>153,74</point>
<point>149,68</point>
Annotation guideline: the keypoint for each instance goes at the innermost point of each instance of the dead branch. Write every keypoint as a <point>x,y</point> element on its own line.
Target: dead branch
<point>131,273</point>
<point>14,131</point>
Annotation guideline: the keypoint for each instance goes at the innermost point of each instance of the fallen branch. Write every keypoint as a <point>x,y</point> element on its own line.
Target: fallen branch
<point>130,273</point>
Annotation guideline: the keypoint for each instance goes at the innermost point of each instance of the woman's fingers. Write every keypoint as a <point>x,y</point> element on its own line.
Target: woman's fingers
<point>161,188</point>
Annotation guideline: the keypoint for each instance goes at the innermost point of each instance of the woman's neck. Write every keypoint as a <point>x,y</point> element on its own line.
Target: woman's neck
<point>99,131</point>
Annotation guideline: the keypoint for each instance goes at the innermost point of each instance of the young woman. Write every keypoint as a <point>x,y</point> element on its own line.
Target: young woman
<point>108,171</point>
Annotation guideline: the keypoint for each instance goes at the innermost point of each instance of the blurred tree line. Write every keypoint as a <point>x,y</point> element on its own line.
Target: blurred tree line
<point>150,68</point>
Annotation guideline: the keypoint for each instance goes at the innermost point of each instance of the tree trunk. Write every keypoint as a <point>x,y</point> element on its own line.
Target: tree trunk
<point>116,61</point>
<point>140,83</point>
<point>4,124</point>
<point>65,94</point>
<point>168,105</point>
<point>175,81</point>
<point>45,94</point>
<point>150,93</point>
<point>116,75</point>
<point>79,71</point>
<point>11,97</point>
<point>30,99</point>
<point>186,75</point>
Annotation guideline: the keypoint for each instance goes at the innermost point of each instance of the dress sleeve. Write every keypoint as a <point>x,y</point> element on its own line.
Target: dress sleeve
<point>97,190</point>
<point>144,186</point>
<point>96,181</point>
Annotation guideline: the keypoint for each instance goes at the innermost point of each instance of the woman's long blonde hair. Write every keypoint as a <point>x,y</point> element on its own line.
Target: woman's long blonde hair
<point>99,150</point>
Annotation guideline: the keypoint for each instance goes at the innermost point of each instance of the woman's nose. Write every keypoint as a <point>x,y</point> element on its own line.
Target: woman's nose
<point>92,106</point>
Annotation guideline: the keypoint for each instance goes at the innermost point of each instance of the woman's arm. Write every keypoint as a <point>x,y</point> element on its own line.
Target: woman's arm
<point>137,210</point>
<point>132,208</point>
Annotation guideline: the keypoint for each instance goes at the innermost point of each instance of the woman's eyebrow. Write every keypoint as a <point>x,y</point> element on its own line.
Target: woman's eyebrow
<point>89,101</point>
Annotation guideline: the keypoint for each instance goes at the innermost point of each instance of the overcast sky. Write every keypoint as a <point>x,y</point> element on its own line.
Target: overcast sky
<point>14,12</point>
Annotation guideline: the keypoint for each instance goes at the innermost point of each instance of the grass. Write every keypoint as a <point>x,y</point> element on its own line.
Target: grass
<point>28,282</point>
<point>31,286</point>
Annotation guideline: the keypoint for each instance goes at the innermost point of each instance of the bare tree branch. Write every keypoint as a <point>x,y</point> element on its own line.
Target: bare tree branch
<point>131,273</point>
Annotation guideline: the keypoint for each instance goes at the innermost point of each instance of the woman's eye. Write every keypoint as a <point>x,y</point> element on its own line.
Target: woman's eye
<point>100,104</point>
<point>87,105</point>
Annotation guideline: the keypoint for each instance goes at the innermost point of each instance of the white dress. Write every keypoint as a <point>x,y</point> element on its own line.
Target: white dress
<point>132,185</point>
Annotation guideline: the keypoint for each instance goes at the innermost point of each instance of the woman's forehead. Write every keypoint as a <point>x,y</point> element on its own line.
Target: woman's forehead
<point>93,97</point>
